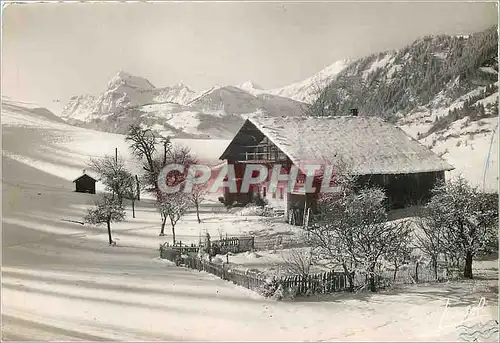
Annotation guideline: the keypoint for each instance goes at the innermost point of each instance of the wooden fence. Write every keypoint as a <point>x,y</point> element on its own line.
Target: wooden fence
<point>419,274</point>
<point>278,242</point>
<point>235,244</point>
<point>250,280</point>
<point>309,284</point>
<point>321,283</point>
<point>183,249</point>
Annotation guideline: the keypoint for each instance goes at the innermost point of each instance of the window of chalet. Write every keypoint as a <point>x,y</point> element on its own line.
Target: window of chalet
<point>265,150</point>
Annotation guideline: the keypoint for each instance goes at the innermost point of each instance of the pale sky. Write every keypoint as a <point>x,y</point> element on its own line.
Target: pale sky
<point>55,51</point>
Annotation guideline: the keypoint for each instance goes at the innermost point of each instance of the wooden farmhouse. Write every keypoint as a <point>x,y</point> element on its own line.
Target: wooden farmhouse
<point>376,152</point>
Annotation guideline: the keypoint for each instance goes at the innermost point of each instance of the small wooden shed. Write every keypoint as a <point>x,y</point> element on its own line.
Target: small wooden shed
<point>85,184</point>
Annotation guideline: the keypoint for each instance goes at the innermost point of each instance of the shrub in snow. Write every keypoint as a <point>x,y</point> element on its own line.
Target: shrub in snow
<point>292,292</point>
<point>270,286</point>
<point>279,293</point>
<point>274,288</point>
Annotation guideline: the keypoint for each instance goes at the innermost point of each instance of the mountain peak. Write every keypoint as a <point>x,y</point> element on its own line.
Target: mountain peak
<point>122,78</point>
<point>249,85</point>
<point>180,85</point>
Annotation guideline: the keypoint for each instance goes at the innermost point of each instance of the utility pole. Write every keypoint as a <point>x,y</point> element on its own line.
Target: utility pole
<point>138,188</point>
<point>165,151</point>
<point>116,155</point>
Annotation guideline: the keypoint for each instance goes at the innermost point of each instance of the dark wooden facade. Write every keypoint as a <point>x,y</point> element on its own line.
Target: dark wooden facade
<point>85,184</point>
<point>403,190</point>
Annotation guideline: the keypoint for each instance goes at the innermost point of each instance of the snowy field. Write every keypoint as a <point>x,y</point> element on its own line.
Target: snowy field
<point>62,150</point>
<point>61,280</point>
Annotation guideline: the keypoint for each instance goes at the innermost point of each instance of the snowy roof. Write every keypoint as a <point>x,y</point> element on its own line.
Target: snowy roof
<point>85,175</point>
<point>368,145</point>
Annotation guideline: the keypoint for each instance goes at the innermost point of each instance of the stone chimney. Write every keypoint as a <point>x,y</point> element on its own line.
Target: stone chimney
<point>354,112</point>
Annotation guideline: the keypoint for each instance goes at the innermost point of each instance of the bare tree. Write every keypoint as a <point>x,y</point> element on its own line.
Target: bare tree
<point>430,238</point>
<point>172,206</point>
<point>143,143</point>
<point>325,233</point>
<point>197,197</point>
<point>132,192</point>
<point>400,253</point>
<point>298,261</point>
<point>106,210</point>
<point>467,216</point>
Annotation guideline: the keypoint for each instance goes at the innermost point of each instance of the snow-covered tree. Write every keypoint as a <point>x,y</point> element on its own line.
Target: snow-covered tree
<point>113,174</point>
<point>107,210</point>
<point>354,233</point>
<point>466,216</point>
<point>172,206</point>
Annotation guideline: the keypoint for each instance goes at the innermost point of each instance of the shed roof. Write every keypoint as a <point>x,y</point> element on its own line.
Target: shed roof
<point>368,145</point>
<point>84,176</point>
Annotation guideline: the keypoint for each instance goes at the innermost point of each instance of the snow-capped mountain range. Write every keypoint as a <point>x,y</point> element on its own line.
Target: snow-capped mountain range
<point>179,111</point>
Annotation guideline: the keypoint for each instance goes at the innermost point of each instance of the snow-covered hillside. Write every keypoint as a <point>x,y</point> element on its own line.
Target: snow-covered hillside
<point>469,145</point>
<point>309,89</point>
<point>35,136</point>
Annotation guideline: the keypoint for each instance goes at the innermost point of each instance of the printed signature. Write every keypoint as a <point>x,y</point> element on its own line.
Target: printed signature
<point>480,331</point>
<point>473,312</point>
<point>476,332</point>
